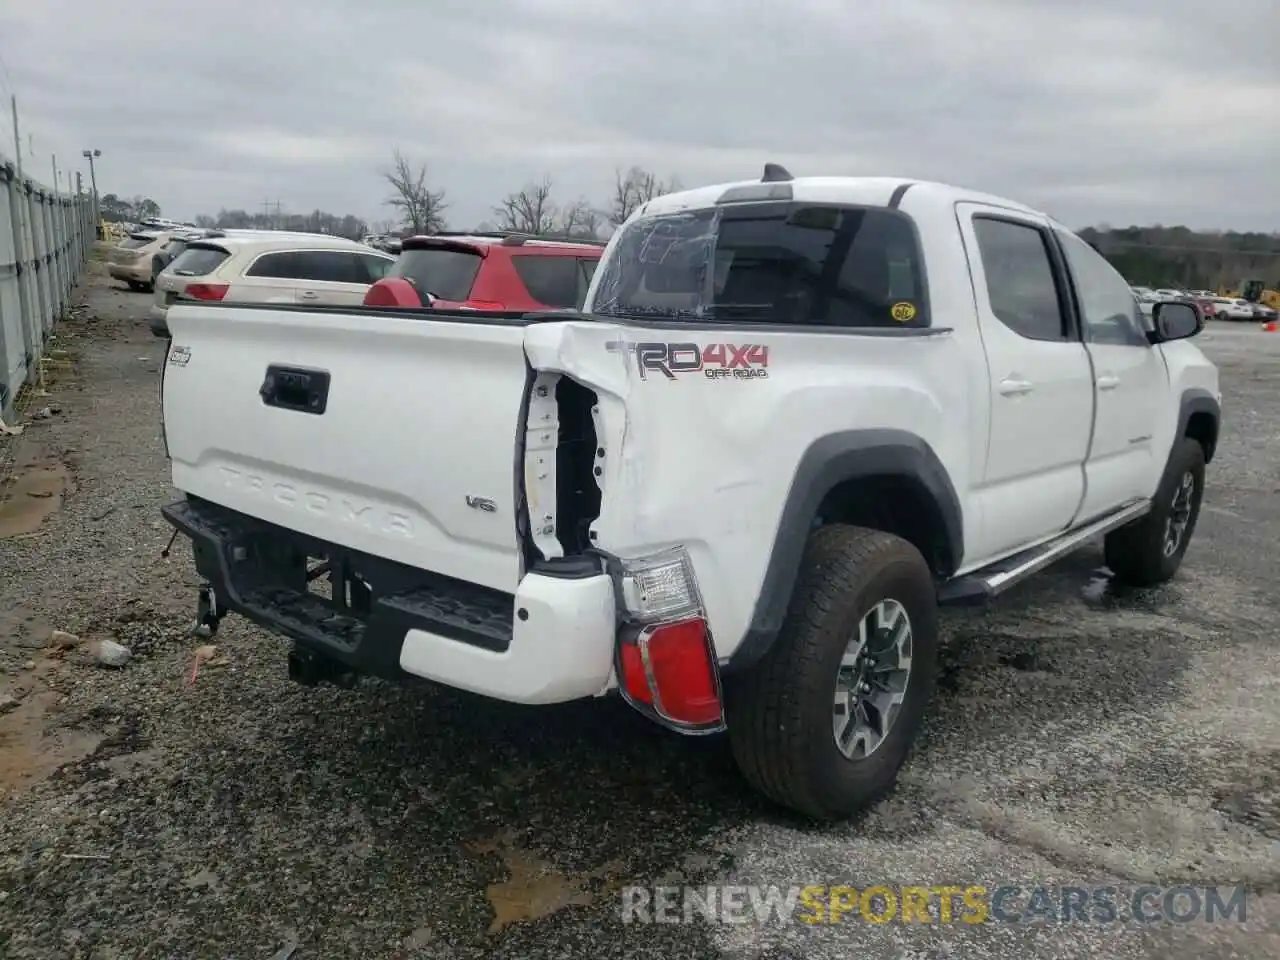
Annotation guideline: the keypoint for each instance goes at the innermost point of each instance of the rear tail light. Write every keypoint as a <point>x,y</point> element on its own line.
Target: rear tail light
<point>666,659</point>
<point>206,291</point>
<point>392,292</point>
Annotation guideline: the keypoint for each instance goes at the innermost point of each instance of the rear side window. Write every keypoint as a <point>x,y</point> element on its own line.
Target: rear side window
<point>318,266</point>
<point>175,247</point>
<point>1020,281</point>
<point>772,262</point>
<point>444,273</point>
<point>198,261</point>
<point>552,281</point>
<point>281,266</point>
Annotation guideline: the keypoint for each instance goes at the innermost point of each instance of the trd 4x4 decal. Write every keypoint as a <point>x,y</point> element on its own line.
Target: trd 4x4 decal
<point>715,361</point>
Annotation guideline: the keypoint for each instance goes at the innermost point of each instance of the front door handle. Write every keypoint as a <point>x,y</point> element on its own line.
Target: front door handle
<point>1108,382</point>
<point>309,295</point>
<point>1010,387</point>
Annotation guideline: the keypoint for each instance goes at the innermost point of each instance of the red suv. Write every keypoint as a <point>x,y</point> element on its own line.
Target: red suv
<point>488,271</point>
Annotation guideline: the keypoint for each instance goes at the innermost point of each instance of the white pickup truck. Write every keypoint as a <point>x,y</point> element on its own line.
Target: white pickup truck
<point>794,417</point>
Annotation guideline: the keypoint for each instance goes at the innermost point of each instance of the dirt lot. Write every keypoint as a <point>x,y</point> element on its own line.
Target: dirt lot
<point>1080,737</point>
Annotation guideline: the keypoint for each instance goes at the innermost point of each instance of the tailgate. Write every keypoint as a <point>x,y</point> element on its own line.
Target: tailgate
<point>391,435</point>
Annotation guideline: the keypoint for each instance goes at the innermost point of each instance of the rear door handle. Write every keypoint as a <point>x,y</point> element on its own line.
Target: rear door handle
<point>1108,382</point>
<point>309,295</point>
<point>1010,387</point>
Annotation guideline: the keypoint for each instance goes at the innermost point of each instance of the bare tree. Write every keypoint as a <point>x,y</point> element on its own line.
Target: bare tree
<point>530,210</point>
<point>421,208</point>
<point>634,189</point>
<point>580,220</point>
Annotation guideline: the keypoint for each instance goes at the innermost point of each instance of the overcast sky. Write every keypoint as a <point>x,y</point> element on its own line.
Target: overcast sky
<point>1129,111</point>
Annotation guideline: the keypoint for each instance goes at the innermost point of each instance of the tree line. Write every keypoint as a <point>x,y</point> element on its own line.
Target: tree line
<point>532,209</point>
<point>1188,259</point>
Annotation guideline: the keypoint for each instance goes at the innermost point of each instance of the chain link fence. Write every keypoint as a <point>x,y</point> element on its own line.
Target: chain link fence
<point>45,238</point>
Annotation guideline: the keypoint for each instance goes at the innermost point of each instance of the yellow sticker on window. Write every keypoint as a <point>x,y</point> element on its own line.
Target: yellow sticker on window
<point>903,312</point>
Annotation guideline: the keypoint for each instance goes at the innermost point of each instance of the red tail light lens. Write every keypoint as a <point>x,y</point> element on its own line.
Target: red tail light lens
<point>671,669</point>
<point>206,291</point>
<point>392,292</point>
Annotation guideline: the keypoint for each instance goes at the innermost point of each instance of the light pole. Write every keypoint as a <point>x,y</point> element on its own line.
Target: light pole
<point>93,180</point>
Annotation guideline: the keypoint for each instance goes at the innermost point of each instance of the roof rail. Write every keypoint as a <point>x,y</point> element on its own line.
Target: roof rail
<point>515,238</point>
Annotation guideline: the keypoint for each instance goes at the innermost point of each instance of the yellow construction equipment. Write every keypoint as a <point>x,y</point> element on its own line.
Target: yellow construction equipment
<point>1255,291</point>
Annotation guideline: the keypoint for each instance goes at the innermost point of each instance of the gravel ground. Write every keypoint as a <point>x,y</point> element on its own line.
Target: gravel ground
<point>1080,737</point>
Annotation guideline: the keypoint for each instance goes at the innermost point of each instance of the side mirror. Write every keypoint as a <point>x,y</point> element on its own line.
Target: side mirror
<point>1174,320</point>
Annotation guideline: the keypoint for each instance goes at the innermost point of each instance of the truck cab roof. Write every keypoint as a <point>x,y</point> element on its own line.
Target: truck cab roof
<point>860,191</point>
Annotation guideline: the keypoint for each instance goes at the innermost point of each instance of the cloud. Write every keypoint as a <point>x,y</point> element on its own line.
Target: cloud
<point>1130,111</point>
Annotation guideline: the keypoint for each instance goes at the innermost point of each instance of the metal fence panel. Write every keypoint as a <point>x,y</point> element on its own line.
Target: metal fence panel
<point>45,239</point>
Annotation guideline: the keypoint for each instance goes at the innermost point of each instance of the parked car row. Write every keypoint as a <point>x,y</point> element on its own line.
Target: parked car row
<point>467,271</point>
<point>1211,305</point>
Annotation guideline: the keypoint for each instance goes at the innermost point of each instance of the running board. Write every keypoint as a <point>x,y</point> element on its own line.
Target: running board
<point>981,585</point>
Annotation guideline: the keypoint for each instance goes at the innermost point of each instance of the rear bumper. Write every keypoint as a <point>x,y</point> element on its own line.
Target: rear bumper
<point>552,641</point>
<point>156,316</point>
<point>138,273</point>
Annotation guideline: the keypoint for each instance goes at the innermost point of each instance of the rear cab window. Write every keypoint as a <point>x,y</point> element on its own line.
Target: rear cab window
<point>446,272</point>
<point>776,262</point>
<point>198,260</point>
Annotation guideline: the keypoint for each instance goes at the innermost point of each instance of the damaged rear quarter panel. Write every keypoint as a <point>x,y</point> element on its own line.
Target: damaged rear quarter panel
<point>706,458</point>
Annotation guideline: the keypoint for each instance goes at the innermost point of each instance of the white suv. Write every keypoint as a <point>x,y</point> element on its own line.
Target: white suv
<point>265,266</point>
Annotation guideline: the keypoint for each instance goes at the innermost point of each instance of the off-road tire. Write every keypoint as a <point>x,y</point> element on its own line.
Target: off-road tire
<point>779,711</point>
<point>1136,552</point>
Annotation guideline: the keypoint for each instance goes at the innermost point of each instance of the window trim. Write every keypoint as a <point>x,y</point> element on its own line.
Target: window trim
<point>1057,267</point>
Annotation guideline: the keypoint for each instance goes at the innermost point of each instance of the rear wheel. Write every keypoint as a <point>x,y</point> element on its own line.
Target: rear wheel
<point>825,721</point>
<point>136,285</point>
<point>1149,551</point>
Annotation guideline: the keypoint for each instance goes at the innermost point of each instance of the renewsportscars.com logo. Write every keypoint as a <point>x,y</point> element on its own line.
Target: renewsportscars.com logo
<point>933,904</point>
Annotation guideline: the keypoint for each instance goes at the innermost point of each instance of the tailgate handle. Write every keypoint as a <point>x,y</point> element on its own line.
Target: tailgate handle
<point>295,388</point>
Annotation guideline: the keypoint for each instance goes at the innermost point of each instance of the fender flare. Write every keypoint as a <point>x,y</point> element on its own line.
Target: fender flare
<point>831,460</point>
<point>1198,400</point>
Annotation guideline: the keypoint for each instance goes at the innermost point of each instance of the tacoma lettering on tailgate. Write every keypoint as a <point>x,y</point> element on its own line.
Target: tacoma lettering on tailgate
<point>343,509</point>
<point>715,361</point>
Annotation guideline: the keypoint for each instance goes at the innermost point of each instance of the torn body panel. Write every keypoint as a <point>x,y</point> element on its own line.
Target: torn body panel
<point>702,431</point>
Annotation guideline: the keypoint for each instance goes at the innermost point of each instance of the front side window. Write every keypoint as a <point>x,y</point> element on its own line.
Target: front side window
<point>1111,315</point>
<point>772,262</point>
